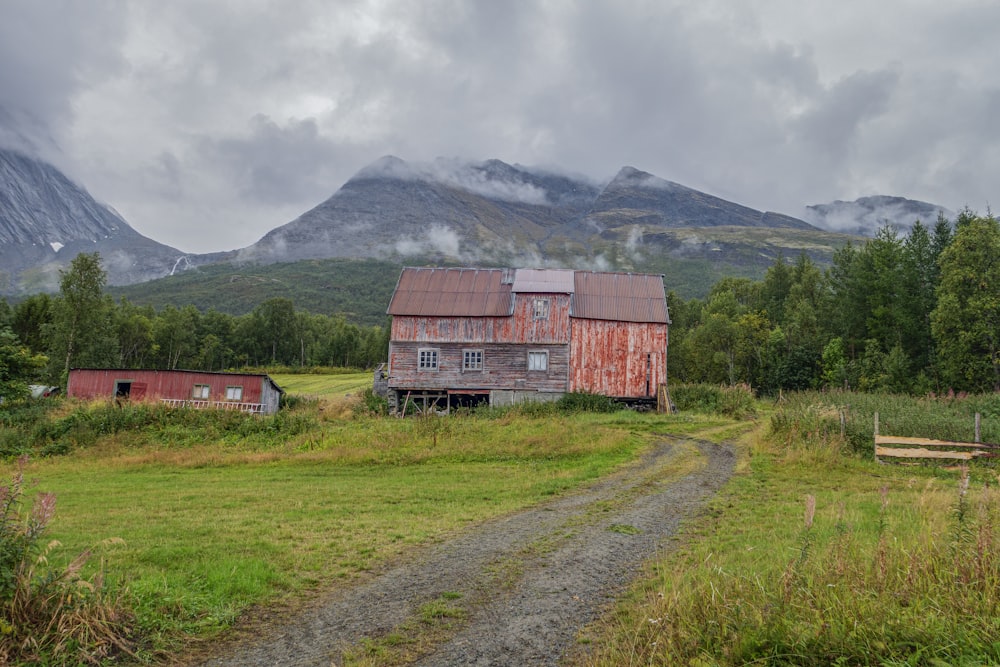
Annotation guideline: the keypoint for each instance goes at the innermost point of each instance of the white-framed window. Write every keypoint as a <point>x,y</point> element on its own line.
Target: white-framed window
<point>538,361</point>
<point>472,360</point>
<point>234,393</point>
<point>427,359</point>
<point>200,391</point>
<point>540,308</point>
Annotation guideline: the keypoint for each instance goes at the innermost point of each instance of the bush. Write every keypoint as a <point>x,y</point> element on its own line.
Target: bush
<point>51,615</point>
<point>736,401</point>
<point>371,404</point>
<point>583,402</point>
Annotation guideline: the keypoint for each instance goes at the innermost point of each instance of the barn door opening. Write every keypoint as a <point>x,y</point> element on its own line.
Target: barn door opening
<point>123,388</point>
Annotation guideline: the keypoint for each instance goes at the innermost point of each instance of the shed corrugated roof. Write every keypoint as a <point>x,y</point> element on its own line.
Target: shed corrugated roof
<point>451,293</point>
<point>625,297</point>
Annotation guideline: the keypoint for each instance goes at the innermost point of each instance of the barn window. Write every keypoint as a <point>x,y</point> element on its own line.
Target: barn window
<point>538,361</point>
<point>541,309</point>
<point>427,359</point>
<point>200,391</point>
<point>472,360</point>
<point>234,393</point>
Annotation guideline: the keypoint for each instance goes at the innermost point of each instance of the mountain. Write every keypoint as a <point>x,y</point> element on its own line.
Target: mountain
<point>866,215</point>
<point>501,214</point>
<point>46,220</point>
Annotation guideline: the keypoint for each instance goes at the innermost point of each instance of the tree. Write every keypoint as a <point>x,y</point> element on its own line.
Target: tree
<point>966,322</point>
<point>81,332</point>
<point>18,367</point>
<point>31,320</point>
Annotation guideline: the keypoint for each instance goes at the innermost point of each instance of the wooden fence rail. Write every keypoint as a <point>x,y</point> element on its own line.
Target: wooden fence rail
<point>929,448</point>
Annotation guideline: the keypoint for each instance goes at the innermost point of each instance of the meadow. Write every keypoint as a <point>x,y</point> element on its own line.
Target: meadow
<point>813,554</point>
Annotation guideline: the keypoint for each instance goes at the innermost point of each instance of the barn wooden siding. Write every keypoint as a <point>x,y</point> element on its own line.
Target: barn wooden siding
<point>604,333</point>
<point>504,367</point>
<point>618,359</point>
<point>167,385</point>
<point>519,328</point>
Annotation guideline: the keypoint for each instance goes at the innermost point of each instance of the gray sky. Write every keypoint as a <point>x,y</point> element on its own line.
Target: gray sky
<point>208,123</point>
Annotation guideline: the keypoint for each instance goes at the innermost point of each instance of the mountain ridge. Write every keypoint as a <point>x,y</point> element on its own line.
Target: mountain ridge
<point>447,211</point>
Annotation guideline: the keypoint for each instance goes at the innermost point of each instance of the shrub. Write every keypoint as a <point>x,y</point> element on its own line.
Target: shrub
<point>51,615</point>
<point>584,402</point>
<point>371,404</point>
<point>735,401</point>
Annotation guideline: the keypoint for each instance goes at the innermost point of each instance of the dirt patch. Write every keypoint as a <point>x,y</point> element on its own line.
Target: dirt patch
<point>513,591</point>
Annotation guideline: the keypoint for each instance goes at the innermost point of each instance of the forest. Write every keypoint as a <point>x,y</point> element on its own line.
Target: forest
<point>911,313</point>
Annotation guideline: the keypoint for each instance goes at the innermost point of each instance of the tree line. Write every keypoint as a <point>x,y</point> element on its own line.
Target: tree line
<point>43,336</point>
<point>913,313</point>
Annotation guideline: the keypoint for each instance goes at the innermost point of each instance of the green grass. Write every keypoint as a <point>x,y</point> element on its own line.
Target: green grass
<point>323,386</point>
<point>815,555</point>
<point>212,528</point>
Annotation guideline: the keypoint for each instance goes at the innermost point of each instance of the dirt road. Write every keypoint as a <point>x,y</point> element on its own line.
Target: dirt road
<point>513,591</point>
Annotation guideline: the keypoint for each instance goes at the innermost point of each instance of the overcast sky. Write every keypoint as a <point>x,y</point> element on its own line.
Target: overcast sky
<point>207,123</point>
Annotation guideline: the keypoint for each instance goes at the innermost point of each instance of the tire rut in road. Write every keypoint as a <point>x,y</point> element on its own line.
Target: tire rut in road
<point>527,582</point>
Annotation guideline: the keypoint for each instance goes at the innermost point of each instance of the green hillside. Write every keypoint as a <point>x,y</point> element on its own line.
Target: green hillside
<point>358,289</point>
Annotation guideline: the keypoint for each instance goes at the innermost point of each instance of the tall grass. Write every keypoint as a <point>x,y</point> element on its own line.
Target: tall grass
<point>50,614</point>
<point>810,417</point>
<point>819,556</point>
<point>735,401</point>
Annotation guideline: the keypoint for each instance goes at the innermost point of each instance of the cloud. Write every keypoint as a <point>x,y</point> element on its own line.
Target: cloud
<point>207,125</point>
<point>438,239</point>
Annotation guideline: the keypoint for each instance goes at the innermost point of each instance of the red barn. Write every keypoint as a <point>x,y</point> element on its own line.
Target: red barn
<point>229,391</point>
<point>467,336</point>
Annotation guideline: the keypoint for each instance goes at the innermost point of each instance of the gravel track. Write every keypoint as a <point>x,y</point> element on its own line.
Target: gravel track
<point>526,583</point>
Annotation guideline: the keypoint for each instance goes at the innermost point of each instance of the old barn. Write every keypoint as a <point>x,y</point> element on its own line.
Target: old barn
<point>463,336</point>
<point>256,393</point>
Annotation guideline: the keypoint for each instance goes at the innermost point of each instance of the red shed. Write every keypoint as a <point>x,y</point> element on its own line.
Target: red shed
<point>465,336</point>
<point>256,393</point>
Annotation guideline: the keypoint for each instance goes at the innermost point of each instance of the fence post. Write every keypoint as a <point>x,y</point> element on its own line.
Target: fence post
<point>978,430</point>
<point>843,424</point>
<point>875,441</point>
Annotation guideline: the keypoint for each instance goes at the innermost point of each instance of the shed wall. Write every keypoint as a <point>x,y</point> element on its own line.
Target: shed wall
<point>153,385</point>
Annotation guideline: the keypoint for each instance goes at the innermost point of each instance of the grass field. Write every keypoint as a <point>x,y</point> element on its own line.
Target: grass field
<point>323,386</point>
<point>812,555</point>
<point>817,555</point>
<point>212,528</point>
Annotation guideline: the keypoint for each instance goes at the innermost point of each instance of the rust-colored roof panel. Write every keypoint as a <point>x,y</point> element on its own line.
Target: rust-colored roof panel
<point>451,293</point>
<point>626,297</point>
<point>470,292</point>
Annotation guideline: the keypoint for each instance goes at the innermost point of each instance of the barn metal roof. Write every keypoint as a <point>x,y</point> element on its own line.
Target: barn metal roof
<point>452,292</point>
<point>551,281</point>
<point>625,297</point>
<point>470,292</point>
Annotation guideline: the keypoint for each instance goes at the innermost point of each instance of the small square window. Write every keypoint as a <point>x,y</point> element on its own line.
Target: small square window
<point>538,361</point>
<point>472,360</point>
<point>234,393</point>
<point>200,391</point>
<point>541,309</point>
<point>427,360</point>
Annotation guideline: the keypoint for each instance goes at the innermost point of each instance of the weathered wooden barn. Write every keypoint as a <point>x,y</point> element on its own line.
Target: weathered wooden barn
<point>256,393</point>
<point>467,336</point>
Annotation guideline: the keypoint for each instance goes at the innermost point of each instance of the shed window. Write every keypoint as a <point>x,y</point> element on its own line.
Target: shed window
<point>472,360</point>
<point>538,361</point>
<point>427,359</point>
<point>200,391</point>
<point>541,309</point>
<point>234,393</point>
